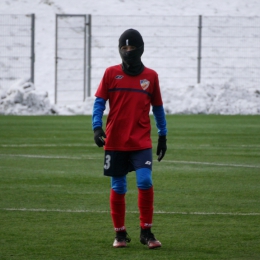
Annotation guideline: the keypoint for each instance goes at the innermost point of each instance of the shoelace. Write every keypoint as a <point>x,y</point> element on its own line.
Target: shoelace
<point>123,237</point>
<point>149,236</point>
<point>128,239</point>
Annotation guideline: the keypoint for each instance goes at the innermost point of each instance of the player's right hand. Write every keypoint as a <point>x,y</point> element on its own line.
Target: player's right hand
<point>99,134</point>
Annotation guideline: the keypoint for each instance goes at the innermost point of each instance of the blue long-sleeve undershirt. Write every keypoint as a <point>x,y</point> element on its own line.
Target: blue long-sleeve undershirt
<point>98,111</point>
<point>160,120</point>
<point>100,106</point>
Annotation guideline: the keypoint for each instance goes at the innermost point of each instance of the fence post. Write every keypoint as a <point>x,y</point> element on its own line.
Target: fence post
<point>32,46</point>
<point>199,48</point>
<point>89,54</point>
<point>87,69</point>
<point>56,58</point>
<point>85,56</point>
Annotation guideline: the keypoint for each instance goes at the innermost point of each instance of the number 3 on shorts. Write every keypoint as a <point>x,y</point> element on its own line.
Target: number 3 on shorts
<point>107,163</point>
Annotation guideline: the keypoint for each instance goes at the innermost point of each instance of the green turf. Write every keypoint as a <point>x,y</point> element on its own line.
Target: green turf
<point>54,199</point>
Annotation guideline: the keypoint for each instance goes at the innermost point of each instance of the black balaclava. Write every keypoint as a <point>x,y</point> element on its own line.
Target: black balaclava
<point>131,60</point>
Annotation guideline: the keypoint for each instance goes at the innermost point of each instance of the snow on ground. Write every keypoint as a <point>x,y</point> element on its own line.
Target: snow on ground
<point>23,99</point>
<point>26,99</point>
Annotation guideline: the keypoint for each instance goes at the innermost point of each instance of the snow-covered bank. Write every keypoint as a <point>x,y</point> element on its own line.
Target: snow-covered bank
<point>227,99</point>
<point>23,99</point>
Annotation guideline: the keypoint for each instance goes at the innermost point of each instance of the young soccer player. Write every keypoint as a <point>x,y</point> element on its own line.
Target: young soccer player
<point>131,89</point>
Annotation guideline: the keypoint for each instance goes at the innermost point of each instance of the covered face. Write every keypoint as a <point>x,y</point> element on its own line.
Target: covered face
<point>131,37</point>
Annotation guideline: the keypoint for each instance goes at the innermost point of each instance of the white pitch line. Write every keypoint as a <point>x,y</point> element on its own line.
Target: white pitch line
<point>93,158</point>
<point>136,212</point>
<point>85,145</point>
<point>49,156</point>
<point>214,164</point>
<point>98,157</point>
<point>229,146</point>
<point>46,145</point>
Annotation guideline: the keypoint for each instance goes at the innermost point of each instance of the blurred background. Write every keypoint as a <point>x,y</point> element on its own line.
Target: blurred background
<point>205,62</point>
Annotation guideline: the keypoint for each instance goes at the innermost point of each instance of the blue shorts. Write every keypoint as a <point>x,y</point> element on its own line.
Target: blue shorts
<point>119,163</point>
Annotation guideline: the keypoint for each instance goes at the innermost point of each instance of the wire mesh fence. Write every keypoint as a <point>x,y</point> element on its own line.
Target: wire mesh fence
<point>16,48</point>
<point>170,45</point>
<point>231,50</point>
<point>184,50</point>
<point>72,59</point>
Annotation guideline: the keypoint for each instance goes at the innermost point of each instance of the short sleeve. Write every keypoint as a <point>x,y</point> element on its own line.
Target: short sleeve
<point>102,91</point>
<point>156,95</point>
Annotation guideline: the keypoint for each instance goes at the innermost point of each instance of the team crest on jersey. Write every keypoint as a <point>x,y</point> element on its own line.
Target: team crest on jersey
<point>144,83</point>
<point>119,77</point>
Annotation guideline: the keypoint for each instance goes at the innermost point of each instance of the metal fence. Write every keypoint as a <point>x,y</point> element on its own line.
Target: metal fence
<point>184,50</point>
<point>170,46</point>
<point>16,48</point>
<point>72,58</point>
<point>231,50</point>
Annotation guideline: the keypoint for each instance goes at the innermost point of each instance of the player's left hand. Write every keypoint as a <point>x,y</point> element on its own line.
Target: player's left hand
<point>99,134</point>
<point>161,147</point>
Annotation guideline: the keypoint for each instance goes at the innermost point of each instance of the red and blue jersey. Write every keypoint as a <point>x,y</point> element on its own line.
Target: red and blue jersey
<point>128,125</point>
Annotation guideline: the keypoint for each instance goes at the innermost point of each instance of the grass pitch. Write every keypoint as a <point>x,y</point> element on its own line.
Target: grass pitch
<point>55,200</point>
